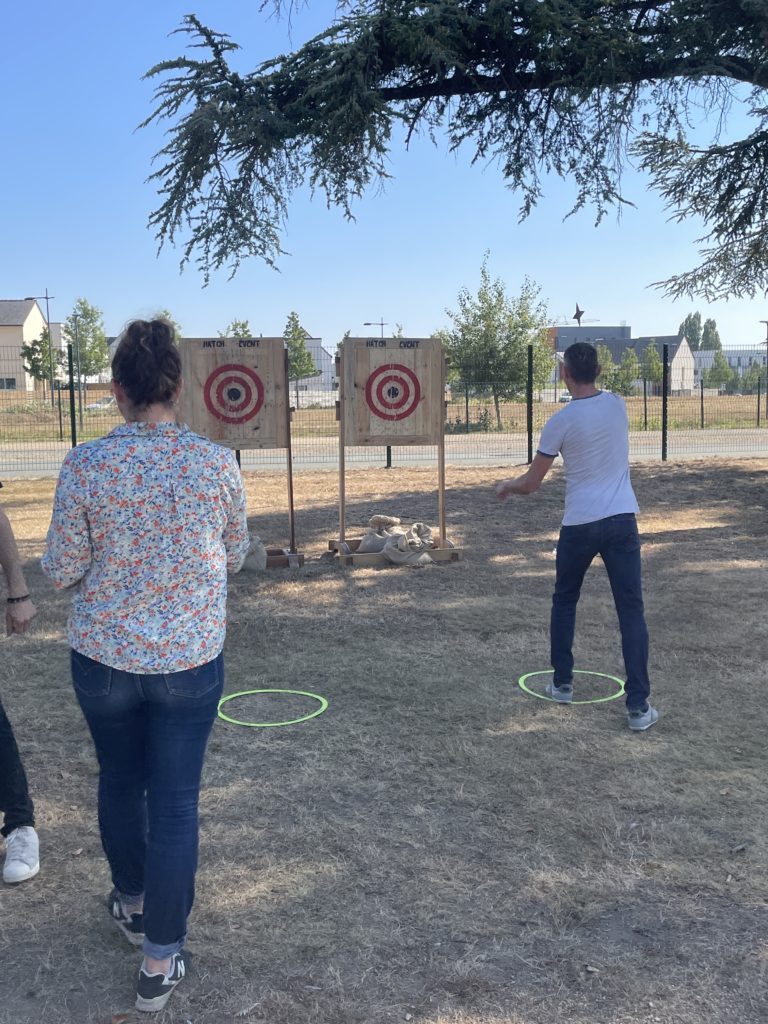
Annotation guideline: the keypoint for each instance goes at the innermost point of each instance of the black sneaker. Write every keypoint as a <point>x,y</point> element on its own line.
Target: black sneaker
<point>131,925</point>
<point>154,990</point>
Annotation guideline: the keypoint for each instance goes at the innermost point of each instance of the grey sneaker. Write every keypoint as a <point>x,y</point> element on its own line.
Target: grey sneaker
<point>22,855</point>
<point>560,694</point>
<point>154,990</point>
<point>641,720</point>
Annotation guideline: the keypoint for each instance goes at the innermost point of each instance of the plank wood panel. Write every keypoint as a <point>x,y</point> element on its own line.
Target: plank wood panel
<point>219,403</point>
<point>392,391</point>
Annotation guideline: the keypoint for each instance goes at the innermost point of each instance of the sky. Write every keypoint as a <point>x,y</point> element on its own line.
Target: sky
<point>75,203</point>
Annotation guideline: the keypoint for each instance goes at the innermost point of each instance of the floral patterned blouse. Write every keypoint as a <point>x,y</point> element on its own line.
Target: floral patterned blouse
<point>147,521</point>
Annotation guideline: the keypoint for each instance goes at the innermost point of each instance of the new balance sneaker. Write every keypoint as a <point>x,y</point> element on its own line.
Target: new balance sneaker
<point>642,718</point>
<point>22,855</point>
<point>131,924</point>
<point>154,990</point>
<point>561,694</point>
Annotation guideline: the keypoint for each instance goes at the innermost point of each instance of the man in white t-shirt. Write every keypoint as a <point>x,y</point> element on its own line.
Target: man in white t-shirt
<point>592,435</point>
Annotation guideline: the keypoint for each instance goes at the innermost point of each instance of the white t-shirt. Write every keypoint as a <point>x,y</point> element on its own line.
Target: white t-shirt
<point>592,435</point>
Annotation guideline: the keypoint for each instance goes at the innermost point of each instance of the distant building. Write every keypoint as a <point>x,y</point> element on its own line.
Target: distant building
<point>563,335</point>
<point>739,360</point>
<point>21,322</point>
<point>324,362</point>
<point>619,339</point>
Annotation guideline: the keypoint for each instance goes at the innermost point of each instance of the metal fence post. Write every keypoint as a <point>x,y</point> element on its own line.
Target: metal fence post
<point>529,403</point>
<point>758,401</point>
<point>72,416</point>
<point>664,403</point>
<point>466,405</point>
<point>701,390</point>
<point>645,404</point>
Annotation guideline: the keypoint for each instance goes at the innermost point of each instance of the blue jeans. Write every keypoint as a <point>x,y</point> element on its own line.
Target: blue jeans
<point>616,539</point>
<point>15,802</point>
<point>150,734</point>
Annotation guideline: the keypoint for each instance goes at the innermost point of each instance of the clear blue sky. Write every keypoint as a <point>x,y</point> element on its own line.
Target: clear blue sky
<point>75,203</point>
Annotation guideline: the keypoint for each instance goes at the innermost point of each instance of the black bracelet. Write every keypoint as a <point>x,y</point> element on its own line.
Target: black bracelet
<point>17,600</point>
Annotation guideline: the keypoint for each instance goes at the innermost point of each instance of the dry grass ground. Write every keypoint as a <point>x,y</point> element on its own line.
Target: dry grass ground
<point>437,847</point>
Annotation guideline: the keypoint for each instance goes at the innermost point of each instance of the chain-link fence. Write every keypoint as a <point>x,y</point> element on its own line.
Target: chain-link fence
<point>38,426</point>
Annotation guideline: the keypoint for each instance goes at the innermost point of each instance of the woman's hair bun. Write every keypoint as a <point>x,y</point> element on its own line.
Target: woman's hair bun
<point>146,362</point>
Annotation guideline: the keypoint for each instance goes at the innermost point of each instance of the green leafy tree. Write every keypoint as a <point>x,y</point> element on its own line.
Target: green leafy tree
<point>608,369</point>
<point>690,329</point>
<point>89,337</point>
<point>36,358</point>
<point>753,375</point>
<point>237,329</point>
<point>165,314</point>
<point>300,361</point>
<point>651,365</point>
<point>710,336</point>
<point>628,373</point>
<point>575,88</point>
<point>720,374</point>
<point>487,346</point>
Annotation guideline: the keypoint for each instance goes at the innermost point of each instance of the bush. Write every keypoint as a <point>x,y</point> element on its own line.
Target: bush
<point>480,425</point>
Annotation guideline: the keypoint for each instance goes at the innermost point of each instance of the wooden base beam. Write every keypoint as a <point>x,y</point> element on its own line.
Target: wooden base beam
<point>284,558</point>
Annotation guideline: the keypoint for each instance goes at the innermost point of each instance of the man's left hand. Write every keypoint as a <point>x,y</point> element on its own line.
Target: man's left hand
<point>18,617</point>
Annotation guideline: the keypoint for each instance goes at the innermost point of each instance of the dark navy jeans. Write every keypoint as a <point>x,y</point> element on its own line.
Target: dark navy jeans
<point>150,733</point>
<point>15,802</point>
<point>616,539</point>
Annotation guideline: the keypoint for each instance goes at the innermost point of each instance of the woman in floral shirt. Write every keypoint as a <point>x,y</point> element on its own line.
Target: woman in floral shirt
<point>146,524</point>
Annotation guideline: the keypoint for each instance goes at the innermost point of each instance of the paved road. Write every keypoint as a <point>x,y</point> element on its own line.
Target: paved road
<point>40,459</point>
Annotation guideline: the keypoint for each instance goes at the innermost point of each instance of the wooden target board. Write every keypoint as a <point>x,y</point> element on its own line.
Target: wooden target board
<point>236,391</point>
<point>392,391</point>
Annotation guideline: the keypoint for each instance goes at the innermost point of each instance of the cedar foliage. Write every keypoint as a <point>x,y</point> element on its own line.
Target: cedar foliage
<point>571,87</point>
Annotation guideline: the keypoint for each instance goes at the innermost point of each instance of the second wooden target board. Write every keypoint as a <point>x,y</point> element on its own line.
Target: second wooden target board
<point>392,390</point>
<point>235,390</point>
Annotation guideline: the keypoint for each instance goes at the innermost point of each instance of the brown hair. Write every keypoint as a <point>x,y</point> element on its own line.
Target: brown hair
<point>146,363</point>
<point>581,360</point>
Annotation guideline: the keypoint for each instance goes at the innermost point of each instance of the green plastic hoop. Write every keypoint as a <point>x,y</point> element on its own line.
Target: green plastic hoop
<point>270,725</point>
<point>578,672</point>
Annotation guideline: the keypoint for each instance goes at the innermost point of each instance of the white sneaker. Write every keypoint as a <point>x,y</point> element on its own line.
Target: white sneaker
<point>22,855</point>
<point>559,694</point>
<point>639,721</point>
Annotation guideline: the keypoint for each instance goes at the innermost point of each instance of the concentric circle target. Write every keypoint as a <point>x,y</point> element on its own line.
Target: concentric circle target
<point>392,392</point>
<point>233,393</point>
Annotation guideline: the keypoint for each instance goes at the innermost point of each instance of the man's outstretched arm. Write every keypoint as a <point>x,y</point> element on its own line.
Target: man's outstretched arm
<point>530,481</point>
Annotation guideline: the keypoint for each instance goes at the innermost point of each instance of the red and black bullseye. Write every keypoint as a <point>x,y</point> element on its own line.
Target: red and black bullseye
<point>233,393</point>
<point>392,392</point>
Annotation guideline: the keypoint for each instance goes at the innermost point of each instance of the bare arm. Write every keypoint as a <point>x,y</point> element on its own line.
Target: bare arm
<point>18,614</point>
<point>530,481</point>
<point>236,540</point>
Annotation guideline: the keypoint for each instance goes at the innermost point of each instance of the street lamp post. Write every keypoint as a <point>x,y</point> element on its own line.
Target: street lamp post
<point>377,323</point>
<point>76,317</point>
<point>47,297</point>
<point>380,323</point>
